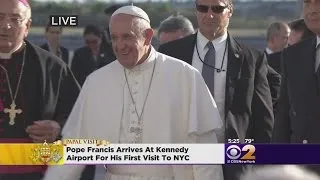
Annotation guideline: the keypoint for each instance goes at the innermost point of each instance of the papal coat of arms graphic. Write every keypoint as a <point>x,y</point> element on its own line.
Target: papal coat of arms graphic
<point>46,153</point>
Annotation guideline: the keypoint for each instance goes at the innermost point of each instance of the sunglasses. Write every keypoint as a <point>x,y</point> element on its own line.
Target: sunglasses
<point>215,9</point>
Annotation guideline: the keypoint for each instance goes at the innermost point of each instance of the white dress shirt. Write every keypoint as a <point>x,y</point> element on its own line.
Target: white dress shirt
<point>219,78</point>
<point>269,51</point>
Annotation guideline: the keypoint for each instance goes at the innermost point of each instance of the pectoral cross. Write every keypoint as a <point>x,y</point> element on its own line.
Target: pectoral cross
<point>12,113</point>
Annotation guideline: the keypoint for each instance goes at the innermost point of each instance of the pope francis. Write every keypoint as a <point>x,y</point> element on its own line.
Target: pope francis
<point>143,97</point>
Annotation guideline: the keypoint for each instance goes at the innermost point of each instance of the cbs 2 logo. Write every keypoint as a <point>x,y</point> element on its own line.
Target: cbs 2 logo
<point>234,152</point>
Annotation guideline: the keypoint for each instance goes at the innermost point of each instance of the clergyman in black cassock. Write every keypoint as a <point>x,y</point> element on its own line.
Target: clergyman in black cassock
<point>37,89</point>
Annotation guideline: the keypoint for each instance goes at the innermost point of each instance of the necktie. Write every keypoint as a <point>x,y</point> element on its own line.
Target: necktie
<point>208,71</point>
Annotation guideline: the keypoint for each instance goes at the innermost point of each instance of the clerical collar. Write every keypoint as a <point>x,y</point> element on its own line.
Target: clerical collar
<point>147,63</point>
<point>318,41</point>
<point>8,55</point>
<point>269,51</point>
<point>219,42</point>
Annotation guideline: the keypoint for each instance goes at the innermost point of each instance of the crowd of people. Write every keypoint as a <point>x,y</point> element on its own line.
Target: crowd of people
<point>198,86</point>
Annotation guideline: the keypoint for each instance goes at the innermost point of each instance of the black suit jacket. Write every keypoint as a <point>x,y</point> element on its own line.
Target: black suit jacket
<point>248,107</point>
<point>274,60</point>
<point>274,77</point>
<point>84,64</point>
<point>298,119</point>
<point>64,52</point>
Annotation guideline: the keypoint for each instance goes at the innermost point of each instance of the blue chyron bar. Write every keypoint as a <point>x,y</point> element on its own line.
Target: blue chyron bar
<point>272,154</point>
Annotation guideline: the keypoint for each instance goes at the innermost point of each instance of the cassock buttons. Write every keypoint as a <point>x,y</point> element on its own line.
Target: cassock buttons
<point>305,141</point>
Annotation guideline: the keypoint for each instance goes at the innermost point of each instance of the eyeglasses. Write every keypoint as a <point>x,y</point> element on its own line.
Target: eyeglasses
<point>215,9</point>
<point>14,20</point>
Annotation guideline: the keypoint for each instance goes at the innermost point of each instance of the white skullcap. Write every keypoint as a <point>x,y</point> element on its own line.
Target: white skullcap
<point>133,11</point>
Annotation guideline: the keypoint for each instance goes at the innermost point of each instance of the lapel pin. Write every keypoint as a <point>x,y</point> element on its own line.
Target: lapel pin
<point>237,55</point>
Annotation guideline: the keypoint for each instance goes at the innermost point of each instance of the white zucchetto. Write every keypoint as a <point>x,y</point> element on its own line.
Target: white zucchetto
<point>132,10</point>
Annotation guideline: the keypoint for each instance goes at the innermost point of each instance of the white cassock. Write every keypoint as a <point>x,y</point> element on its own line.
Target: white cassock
<point>179,109</point>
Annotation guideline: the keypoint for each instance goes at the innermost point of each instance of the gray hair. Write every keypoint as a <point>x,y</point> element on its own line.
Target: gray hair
<point>274,29</point>
<point>284,172</point>
<point>27,11</point>
<point>140,25</point>
<point>175,23</point>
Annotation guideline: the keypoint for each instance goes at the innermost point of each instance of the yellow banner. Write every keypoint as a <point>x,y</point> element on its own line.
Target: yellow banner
<point>31,154</point>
